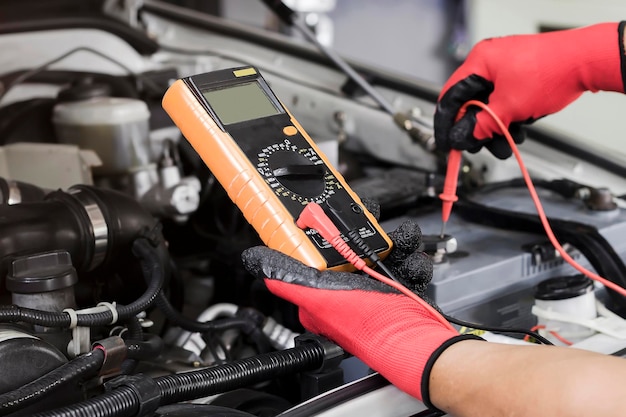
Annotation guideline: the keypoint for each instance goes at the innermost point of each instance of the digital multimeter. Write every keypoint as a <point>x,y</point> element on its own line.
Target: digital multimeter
<point>267,163</point>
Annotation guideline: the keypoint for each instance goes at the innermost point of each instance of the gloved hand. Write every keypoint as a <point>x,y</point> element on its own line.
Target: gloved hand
<point>391,333</point>
<point>523,78</point>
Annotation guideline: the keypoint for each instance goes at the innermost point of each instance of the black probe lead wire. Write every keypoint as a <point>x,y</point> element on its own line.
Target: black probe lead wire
<point>386,270</point>
<point>468,324</point>
<point>476,326</point>
<point>365,248</point>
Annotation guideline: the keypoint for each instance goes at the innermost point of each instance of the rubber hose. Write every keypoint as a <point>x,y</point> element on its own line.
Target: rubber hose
<point>149,348</point>
<point>192,325</point>
<point>81,367</point>
<point>140,350</point>
<point>134,333</point>
<point>122,402</point>
<point>148,256</point>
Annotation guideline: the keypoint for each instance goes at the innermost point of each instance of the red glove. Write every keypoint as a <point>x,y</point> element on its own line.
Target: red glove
<point>391,333</point>
<point>526,77</point>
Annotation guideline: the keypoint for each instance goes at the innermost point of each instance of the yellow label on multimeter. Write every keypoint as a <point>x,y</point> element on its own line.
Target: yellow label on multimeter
<point>266,162</point>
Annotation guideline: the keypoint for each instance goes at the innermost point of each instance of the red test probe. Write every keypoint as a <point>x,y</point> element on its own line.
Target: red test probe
<point>448,196</point>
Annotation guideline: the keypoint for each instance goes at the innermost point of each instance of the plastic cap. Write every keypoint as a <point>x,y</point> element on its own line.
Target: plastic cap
<point>41,272</point>
<point>562,288</point>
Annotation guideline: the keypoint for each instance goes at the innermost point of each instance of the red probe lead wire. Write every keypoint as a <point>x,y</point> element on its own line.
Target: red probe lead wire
<point>449,195</point>
<point>313,217</point>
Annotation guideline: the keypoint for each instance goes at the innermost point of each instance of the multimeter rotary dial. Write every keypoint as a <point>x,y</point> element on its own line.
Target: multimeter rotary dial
<point>298,174</point>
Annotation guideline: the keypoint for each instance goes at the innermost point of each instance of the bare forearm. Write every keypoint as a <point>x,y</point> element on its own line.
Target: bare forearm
<point>474,378</point>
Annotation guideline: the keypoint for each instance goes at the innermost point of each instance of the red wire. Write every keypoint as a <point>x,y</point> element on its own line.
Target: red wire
<point>560,338</point>
<point>552,332</point>
<point>537,202</point>
<point>342,247</point>
<point>313,217</point>
<point>404,290</point>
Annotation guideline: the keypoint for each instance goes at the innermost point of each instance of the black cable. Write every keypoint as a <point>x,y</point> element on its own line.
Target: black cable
<point>80,368</point>
<point>386,270</point>
<point>211,341</point>
<point>530,333</point>
<point>149,259</point>
<point>195,326</point>
<point>125,402</point>
<point>452,319</point>
<point>27,74</point>
<point>488,328</point>
<point>482,326</point>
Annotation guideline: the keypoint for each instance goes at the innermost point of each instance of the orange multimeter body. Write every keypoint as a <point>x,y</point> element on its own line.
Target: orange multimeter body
<point>267,163</point>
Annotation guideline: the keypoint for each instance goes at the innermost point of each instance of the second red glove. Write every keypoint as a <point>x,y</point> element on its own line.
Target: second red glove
<point>524,78</point>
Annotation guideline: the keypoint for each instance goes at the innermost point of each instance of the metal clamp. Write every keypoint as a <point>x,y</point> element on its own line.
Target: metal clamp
<point>98,222</point>
<point>115,353</point>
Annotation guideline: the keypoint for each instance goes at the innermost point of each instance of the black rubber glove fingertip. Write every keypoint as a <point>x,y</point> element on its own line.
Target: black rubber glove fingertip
<point>251,258</point>
<point>461,135</point>
<point>518,132</point>
<point>499,147</point>
<point>416,272</point>
<point>263,262</point>
<point>407,237</point>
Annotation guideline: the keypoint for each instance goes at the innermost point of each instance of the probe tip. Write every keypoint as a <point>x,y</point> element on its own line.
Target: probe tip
<point>443,229</point>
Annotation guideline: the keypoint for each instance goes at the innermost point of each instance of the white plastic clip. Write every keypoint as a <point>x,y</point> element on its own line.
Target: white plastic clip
<point>100,308</point>
<point>111,307</point>
<point>73,317</point>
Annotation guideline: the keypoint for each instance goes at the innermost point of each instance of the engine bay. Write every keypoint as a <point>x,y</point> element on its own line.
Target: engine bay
<point>122,285</point>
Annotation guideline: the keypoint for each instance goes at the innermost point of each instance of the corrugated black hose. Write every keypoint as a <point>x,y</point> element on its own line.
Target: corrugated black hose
<point>150,260</point>
<point>130,398</point>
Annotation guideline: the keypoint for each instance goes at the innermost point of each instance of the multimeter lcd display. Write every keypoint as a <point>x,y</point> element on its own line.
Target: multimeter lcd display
<point>239,103</point>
